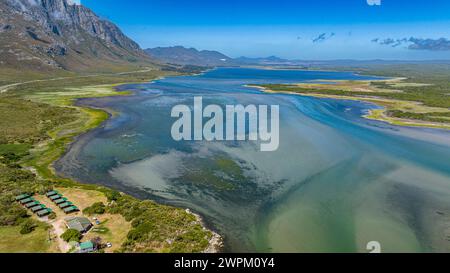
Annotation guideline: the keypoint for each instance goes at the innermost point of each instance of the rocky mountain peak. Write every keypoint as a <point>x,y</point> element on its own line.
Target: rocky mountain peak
<point>63,17</point>
<point>52,28</point>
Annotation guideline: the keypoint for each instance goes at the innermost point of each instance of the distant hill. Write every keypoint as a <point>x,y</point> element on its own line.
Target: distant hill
<point>57,34</point>
<point>272,60</point>
<point>192,57</point>
<point>189,56</point>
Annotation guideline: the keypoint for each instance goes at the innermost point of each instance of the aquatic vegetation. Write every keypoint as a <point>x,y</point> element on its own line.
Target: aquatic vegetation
<point>333,173</point>
<point>38,122</point>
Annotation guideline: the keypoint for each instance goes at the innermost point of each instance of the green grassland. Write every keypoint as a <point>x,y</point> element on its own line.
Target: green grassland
<point>12,241</point>
<point>38,121</point>
<point>421,98</point>
<point>10,76</point>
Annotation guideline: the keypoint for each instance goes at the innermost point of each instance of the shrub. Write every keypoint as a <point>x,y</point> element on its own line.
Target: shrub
<point>52,216</point>
<point>28,226</point>
<point>12,215</point>
<point>98,244</point>
<point>113,195</point>
<point>71,235</point>
<point>96,208</point>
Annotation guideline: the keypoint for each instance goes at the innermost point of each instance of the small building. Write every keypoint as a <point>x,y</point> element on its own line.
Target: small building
<point>51,193</point>
<point>60,201</point>
<point>38,208</point>
<point>82,224</point>
<point>65,205</point>
<point>55,197</point>
<point>26,201</point>
<point>86,247</point>
<point>44,212</point>
<point>32,204</point>
<point>70,209</point>
<point>22,196</point>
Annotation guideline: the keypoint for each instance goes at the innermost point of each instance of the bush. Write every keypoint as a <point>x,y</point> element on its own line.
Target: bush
<point>28,226</point>
<point>98,244</point>
<point>52,216</point>
<point>10,157</point>
<point>12,215</point>
<point>96,208</point>
<point>113,195</point>
<point>71,235</point>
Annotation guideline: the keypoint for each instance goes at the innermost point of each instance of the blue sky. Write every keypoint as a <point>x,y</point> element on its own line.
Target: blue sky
<point>296,29</point>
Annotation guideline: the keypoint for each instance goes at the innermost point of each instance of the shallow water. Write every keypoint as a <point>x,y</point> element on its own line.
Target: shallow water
<point>336,182</point>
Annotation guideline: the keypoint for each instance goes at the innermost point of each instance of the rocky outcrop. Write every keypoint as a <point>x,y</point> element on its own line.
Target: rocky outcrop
<point>62,34</point>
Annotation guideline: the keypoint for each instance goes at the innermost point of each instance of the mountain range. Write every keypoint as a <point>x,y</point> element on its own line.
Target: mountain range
<point>44,35</point>
<point>60,34</point>
<point>190,56</point>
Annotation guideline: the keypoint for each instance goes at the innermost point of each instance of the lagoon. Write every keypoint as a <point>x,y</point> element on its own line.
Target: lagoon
<point>337,182</point>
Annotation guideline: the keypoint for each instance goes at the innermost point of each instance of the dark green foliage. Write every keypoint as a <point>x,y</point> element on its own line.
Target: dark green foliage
<point>52,216</point>
<point>11,214</point>
<point>112,195</point>
<point>71,235</point>
<point>195,236</point>
<point>13,153</point>
<point>96,208</point>
<point>10,157</point>
<point>159,228</point>
<point>98,243</point>
<point>433,117</point>
<point>14,182</point>
<point>28,226</point>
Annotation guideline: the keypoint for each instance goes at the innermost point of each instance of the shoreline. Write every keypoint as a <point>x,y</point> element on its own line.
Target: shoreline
<point>373,114</point>
<point>216,242</point>
<point>91,118</point>
<point>359,73</point>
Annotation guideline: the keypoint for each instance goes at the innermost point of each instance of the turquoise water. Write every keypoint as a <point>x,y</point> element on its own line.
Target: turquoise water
<point>336,182</point>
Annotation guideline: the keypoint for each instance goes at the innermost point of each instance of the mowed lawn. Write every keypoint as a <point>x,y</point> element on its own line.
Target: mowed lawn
<point>82,198</point>
<point>11,241</point>
<point>113,229</point>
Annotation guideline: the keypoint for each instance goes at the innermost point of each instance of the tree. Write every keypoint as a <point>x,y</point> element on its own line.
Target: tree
<point>113,195</point>
<point>97,241</point>
<point>96,208</point>
<point>28,226</point>
<point>52,216</point>
<point>71,235</point>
